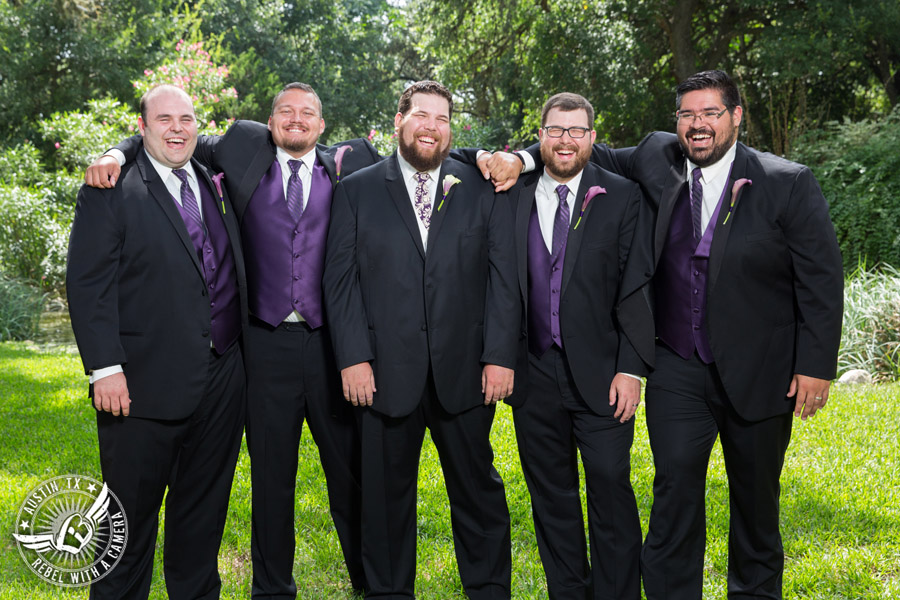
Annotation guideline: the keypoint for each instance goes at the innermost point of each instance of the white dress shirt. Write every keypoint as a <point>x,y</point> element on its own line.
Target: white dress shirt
<point>305,171</point>
<point>713,178</point>
<point>547,202</point>
<point>409,178</point>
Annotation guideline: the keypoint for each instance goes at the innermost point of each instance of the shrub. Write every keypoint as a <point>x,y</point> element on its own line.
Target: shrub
<point>33,236</point>
<point>870,337</point>
<point>858,167</point>
<point>20,309</point>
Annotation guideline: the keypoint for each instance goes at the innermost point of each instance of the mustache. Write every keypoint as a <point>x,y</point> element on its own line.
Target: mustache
<point>704,130</point>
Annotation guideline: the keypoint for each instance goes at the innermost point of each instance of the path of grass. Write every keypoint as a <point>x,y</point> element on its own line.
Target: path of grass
<point>840,496</point>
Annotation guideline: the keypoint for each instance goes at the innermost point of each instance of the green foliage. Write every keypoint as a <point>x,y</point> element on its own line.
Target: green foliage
<point>20,309</point>
<point>33,236</point>
<point>870,337</point>
<point>858,167</point>
<point>80,137</point>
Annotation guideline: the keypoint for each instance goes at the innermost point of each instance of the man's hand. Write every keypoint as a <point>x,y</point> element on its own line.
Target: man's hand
<point>625,395</point>
<point>359,384</point>
<point>811,394</point>
<point>502,168</point>
<point>111,395</point>
<point>103,172</point>
<point>496,383</point>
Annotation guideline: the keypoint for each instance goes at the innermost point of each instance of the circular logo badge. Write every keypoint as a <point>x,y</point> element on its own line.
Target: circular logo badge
<point>71,530</point>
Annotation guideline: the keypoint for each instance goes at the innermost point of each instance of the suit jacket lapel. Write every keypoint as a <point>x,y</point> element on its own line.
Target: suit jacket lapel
<point>671,189</point>
<point>161,194</point>
<point>328,163</point>
<point>524,206</point>
<point>720,235</point>
<point>397,189</point>
<point>438,216</point>
<point>259,164</point>
<point>573,240</point>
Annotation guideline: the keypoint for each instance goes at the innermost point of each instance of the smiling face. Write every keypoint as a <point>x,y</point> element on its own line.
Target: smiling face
<point>705,142</point>
<point>564,157</point>
<point>170,131</point>
<point>296,122</point>
<point>424,131</point>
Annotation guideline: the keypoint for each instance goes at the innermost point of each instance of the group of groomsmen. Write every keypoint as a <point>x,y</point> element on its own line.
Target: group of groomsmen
<point>260,280</point>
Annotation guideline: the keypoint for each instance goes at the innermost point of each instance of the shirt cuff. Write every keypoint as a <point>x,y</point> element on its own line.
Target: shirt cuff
<point>638,377</point>
<point>98,374</point>
<point>527,159</point>
<point>116,154</point>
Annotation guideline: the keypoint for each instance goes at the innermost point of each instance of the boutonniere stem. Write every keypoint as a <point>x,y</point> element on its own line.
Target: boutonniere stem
<point>592,191</point>
<point>449,182</point>
<point>734,194</point>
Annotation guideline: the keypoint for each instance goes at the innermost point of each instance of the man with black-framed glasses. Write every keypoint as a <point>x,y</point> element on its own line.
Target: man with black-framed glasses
<point>577,374</point>
<point>742,278</point>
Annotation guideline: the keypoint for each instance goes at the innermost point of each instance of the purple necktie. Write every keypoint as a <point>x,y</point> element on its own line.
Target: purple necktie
<point>295,191</point>
<point>696,203</point>
<point>422,199</point>
<point>561,223</point>
<point>188,199</point>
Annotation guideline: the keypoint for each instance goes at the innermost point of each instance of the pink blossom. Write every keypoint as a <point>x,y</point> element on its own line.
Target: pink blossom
<point>468,128</point>
<point>212,123</point>
<point>506,148</point>
<point>372,134</point>
<point>147,72</point>
<point>56,145</point>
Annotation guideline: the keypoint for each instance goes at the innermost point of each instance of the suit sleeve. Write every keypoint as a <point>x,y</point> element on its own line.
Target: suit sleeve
<point>818,278</point>
<point>130,147</point>
<point>628,360</point>
<point>502,315</point>
<point>344,306</point>
<point>95,246</point>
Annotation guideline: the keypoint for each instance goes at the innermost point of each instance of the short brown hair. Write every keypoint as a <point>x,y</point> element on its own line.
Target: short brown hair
<point>303,87</point>
<point>423,87</point>
<point>567,101</point>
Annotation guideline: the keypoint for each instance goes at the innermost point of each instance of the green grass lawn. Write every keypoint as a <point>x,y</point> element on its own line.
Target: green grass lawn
<point>840,496</point>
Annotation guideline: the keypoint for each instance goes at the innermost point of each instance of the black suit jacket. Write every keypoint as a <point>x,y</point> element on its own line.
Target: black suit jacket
<point>136,290</point>
<point>597,251</point>
<point>775,284</point>
<point>451,310</point>
<point>247,151</point>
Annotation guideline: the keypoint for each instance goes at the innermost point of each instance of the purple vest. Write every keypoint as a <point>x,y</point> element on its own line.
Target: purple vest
<point>214,252</point>
<point>284,262</point>
<point>544,289</point>
<point>680,283</point>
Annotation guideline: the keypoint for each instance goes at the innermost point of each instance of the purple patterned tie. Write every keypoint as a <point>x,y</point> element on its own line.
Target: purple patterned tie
<point>422,199</point>
<point>188,199</point>
<point>561,223</point>
<point>295,191</point>
<point>696,203</point>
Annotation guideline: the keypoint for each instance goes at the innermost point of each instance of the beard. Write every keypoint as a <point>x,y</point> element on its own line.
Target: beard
<point>422,161</point>
<point>564,170</point>
<point>703,157</point>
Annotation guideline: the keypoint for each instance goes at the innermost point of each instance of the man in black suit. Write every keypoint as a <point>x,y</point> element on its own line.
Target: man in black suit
<point>742,272</point>
<point>577,382</point>
<point>423,310</point>
<point>291,374</point>
<point>157,296</point>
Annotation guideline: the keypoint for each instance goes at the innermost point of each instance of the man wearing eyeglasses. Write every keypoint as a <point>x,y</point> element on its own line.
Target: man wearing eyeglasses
<point>574,223</point>
<point>743,276</point>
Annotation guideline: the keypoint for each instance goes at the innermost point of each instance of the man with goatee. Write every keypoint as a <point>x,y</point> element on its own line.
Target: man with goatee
<point>576,383</point>
<point>742,270</point>
<point>424,315</point>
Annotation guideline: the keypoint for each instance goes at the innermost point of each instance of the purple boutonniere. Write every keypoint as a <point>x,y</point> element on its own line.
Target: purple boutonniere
<point>449,182</point>
<point>592,191</point>
<point>217,179</point>
<point>734,194</point>
<point>339,159</point>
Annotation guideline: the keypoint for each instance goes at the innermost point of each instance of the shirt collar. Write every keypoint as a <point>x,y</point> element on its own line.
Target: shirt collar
<point>550,184</point>
<point>283,157</point>
<point>714,170</point>
<point>164,171</point>
<point>409,171</point>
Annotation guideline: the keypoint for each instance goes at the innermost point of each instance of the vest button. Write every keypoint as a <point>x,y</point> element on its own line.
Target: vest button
<point>296,277</point>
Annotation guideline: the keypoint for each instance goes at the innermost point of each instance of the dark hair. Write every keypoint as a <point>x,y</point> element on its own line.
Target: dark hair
<point>155,90</point>
<point>710,80</point>
<point>423,87</point>
<point>567,101</point>
<point>303,87</point>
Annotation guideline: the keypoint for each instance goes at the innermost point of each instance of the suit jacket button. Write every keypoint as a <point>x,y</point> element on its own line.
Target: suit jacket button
<point>424,327</point>
<point>205,333</point>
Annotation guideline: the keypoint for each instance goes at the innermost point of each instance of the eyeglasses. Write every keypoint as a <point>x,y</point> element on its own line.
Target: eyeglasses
<point>707,116</point>
<point>576,133</point>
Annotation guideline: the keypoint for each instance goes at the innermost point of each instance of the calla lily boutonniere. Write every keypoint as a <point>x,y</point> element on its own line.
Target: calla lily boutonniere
<point>217,179</point>
<point>338,159</point>
<point>449,182</point>
<point>734,194</point>
<point>592,191</point>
